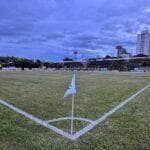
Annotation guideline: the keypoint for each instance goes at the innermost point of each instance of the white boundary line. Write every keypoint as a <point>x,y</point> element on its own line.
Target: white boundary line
<point>82,131</point>
<point>67,118</point>
<point>104,117</point>
<point>37,120</point>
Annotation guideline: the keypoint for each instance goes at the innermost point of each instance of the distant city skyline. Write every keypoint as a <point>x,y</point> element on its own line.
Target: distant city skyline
<point>53,29</point>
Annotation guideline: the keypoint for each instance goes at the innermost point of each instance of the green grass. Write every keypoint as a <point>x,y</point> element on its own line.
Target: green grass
<point>41,95</point>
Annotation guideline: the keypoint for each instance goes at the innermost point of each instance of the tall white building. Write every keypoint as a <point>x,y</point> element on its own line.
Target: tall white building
<point>143,43</point>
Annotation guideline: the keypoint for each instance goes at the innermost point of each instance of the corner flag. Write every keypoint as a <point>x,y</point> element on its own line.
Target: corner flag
<point>72,88</point>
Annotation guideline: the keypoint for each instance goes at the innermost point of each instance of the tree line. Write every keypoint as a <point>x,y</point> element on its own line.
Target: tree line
<point>91,64</point>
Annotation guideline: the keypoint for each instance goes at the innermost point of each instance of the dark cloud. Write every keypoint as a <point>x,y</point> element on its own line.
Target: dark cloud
<point>52,29</point>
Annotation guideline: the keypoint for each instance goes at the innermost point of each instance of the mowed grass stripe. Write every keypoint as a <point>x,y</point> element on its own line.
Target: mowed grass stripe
<point>41,94</point>
<point>126,129</point>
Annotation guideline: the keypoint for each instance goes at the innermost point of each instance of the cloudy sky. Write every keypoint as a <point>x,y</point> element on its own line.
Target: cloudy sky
<point>52,29</point>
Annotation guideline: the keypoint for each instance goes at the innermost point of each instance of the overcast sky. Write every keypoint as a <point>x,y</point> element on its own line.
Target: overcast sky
<point>52,29</point>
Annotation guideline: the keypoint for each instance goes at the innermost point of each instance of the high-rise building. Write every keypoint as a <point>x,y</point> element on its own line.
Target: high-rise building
<point>143,43</point>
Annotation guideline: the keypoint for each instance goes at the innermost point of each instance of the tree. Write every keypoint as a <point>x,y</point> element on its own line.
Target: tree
<point>38,64</point>
<point>107,57</point>
<point>67,59</point>
<point>47,65</point>
<point>120,51</point>
<point>119,47</point>
<point>141,55</point>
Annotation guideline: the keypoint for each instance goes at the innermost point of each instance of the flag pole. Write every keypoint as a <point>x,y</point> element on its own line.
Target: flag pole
<point>72,106</point>
<point>72,114</point>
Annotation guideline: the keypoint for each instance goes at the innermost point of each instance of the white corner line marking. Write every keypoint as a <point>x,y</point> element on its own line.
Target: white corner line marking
<point>105,116</point>
<point>82,131</point>
<point>67,118</point>
<point>37,120</point>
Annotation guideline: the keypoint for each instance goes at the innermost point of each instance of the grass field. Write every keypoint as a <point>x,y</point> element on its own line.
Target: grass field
<point>41,94</point>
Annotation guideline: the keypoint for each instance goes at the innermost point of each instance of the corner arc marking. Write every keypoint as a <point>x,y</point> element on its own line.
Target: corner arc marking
<point>82,131</point>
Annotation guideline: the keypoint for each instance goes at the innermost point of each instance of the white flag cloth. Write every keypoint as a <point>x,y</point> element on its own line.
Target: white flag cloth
<point>72,88</point>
